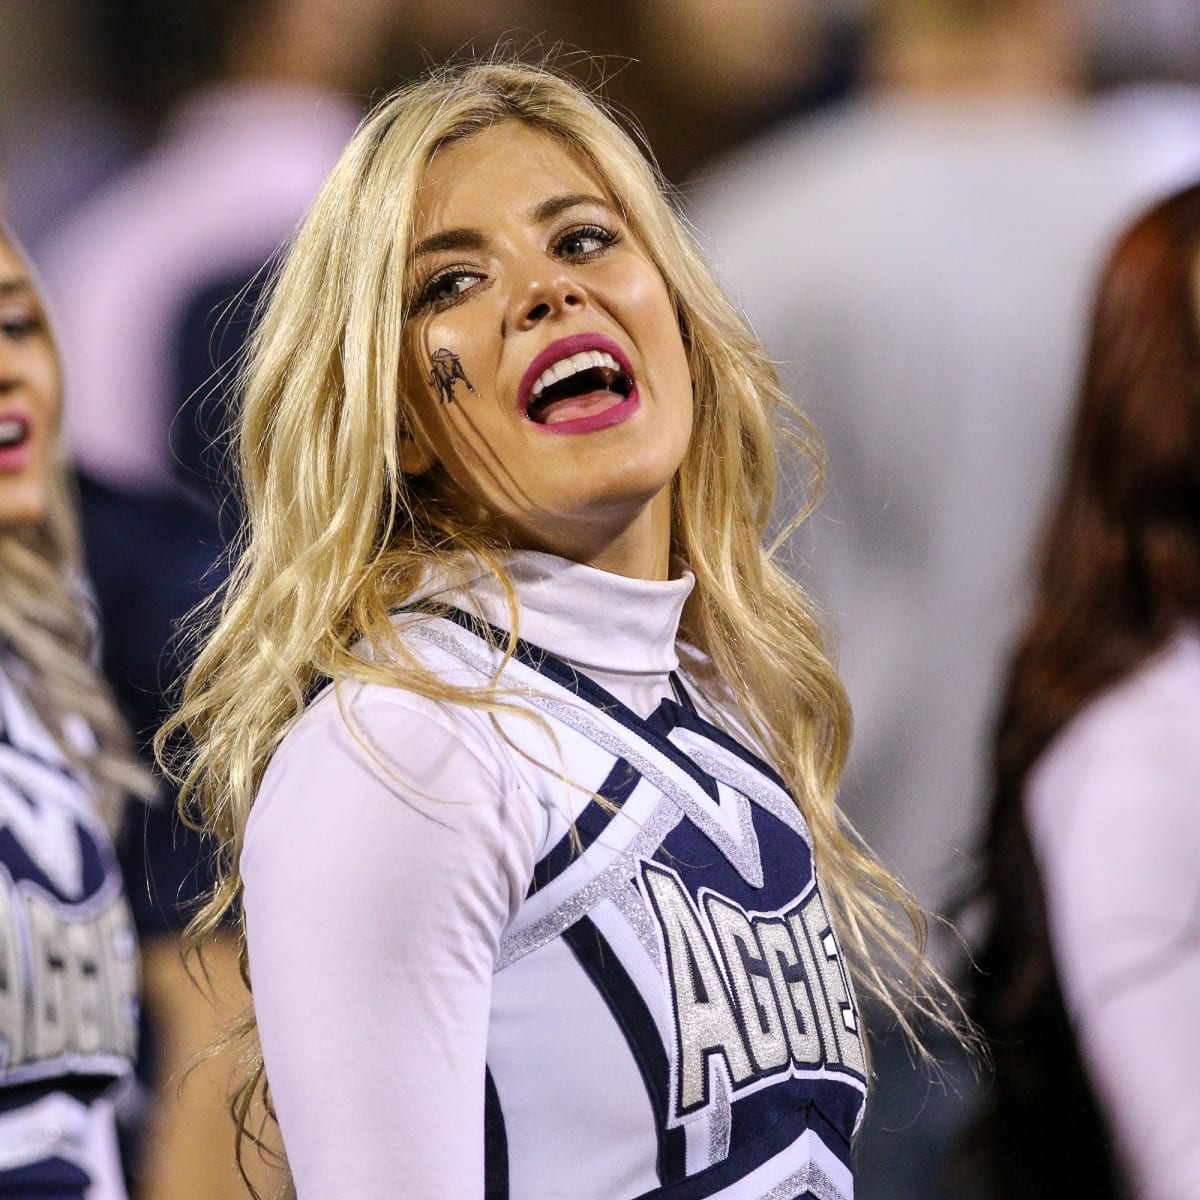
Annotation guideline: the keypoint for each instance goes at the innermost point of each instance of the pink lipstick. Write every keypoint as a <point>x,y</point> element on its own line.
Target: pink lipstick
<point>16,445</point>
<point>578,384</point>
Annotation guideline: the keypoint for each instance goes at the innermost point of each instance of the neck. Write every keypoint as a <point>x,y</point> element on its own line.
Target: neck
<point>638,548</point>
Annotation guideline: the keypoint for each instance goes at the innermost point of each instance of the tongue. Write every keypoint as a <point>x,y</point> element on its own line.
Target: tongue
<point>571,408</point>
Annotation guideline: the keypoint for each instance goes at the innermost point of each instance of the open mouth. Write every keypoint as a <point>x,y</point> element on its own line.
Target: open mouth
<point>13,431</point>
<point>580,385</point>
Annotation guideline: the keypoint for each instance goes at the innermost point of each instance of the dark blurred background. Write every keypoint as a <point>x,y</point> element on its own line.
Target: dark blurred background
<point>84,84</point>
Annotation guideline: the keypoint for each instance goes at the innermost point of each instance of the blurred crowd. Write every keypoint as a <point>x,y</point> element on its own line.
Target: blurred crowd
<point>913,200</point>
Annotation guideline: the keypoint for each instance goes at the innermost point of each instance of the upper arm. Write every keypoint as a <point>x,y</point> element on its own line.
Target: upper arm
<point>1115,825</point>
<point>189,1146</point>
<point>378,881</point>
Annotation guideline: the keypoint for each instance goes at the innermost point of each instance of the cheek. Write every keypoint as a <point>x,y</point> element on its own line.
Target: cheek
<point>441,395</point>
<point>670,365</point>
<point>651,310</point>
<point>46,387</point>
<point>46,396</point>
<point>441,365</point>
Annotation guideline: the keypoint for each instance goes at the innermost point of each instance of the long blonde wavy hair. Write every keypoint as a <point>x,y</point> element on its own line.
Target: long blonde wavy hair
<point>337,535</point>
<point>48,632</point>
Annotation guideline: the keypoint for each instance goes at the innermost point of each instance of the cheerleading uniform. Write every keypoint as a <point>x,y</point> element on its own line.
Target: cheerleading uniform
<point>68,970</point>
<point>581,956</point>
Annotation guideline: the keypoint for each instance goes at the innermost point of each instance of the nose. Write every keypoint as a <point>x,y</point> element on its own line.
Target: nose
<point>552,290</point>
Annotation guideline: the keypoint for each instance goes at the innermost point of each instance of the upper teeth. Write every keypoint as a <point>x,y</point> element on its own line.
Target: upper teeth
<point>11,431</point>
<point>585,360</point>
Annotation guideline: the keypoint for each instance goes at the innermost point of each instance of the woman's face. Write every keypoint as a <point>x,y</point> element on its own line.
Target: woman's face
<point>544,361</point>
<point>29,396</point>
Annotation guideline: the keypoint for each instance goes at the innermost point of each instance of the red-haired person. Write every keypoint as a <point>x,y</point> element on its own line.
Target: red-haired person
<point>1091,971</point>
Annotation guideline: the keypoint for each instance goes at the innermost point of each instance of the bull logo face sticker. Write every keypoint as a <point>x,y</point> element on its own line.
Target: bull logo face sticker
<point>447,371</point>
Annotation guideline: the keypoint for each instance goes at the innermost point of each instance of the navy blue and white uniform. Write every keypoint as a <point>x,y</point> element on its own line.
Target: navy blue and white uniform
<point>581,956</point>
<point>68,970</point>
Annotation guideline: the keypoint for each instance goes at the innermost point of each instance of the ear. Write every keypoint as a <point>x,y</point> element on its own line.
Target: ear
<point>417,454</point>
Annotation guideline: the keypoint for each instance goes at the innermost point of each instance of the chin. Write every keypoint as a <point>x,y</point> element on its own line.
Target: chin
<point>21,505</point>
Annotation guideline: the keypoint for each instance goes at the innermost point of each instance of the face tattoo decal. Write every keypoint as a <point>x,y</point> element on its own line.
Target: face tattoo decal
<point>447,370</point>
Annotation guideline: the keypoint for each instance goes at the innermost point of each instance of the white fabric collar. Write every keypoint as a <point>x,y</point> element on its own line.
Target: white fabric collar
<point>599,622</point>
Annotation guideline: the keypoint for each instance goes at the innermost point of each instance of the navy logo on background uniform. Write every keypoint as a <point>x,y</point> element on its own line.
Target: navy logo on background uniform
<point>68,954</point>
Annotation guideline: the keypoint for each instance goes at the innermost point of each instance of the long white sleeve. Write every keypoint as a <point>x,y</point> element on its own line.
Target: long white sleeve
<point>376,892</point>
<point>1114,814</point>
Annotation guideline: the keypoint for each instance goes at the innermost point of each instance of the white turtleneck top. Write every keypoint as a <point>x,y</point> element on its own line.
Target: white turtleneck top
<point>389,869</point>
<point>1113,811</point>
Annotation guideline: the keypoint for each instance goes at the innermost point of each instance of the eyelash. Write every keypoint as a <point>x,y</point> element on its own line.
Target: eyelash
<point>428,294</point>
<point>428,297</point>
<point>17,329</point>
<point>605,237</point>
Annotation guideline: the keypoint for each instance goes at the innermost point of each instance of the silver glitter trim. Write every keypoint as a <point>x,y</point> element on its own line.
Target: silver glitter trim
<point>813,1179</point>
<point>608,885</point>
<point>720,1115</point>
<point>742,852</point>
<point>778,804</point>
<point>629,903</point>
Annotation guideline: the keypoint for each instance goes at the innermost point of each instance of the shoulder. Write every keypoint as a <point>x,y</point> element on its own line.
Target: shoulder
<point>1147,720</point>
<point>374,781</point>
<point>391,734</point>
<point>1127,768</point>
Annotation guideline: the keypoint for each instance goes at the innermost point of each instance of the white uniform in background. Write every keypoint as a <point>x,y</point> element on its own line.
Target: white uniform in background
<point>1113,812</point>
<point>68,970</point>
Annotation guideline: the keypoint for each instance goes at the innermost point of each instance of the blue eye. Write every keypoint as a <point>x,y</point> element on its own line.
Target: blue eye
<point>448,287</point>
<point>586,241</point>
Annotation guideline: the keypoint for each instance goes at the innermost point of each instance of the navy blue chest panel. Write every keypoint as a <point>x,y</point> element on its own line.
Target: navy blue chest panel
<point>698,847</point>
<point>68,957</point>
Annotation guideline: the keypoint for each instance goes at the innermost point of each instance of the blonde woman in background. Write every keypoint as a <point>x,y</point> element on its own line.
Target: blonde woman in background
<point>69,1001</point>
<point>521,751</point>
<point>68,956</point>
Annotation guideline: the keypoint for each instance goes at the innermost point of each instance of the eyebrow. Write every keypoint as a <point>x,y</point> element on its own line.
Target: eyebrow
<point>448,239</point>
<point>473,239</point>
<point>547,210</point>
<point>15,287</point>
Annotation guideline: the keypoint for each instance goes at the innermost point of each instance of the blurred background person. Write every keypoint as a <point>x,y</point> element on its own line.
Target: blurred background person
<point>1091,969</point>
<point>140,269</point>
<point>920,260</point>
<point>68,956</point>
<point>139,272</point>
<point>86,86</point>
<point>65,126</point>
